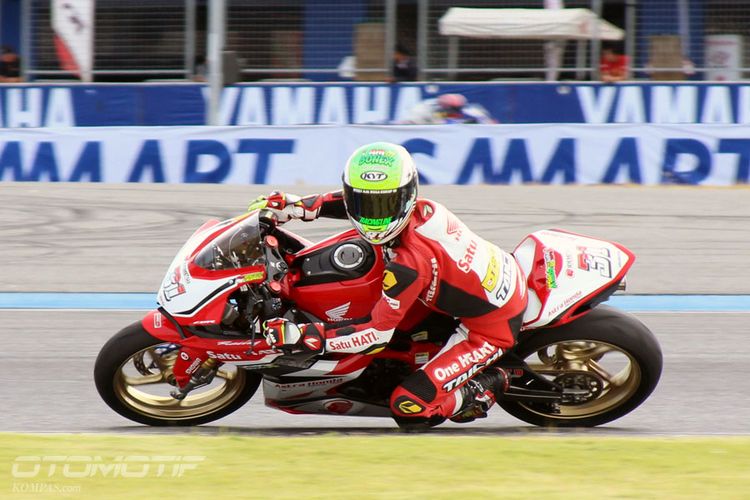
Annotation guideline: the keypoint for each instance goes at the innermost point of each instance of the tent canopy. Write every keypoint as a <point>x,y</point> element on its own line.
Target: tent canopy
<point>527,24</point>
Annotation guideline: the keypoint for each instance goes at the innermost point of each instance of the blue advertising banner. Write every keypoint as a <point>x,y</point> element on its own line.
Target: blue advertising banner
<point>309,103</point>
<point>445,154</point>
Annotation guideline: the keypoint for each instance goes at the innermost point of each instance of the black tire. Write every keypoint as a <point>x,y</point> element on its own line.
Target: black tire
<point>604,325</point>
<point>133,339</point>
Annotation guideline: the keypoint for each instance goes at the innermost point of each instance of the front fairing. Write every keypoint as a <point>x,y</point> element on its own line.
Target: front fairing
<point>214,262</point>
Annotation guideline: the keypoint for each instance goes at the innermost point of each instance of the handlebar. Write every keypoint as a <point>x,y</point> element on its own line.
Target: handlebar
<point>268,220</point>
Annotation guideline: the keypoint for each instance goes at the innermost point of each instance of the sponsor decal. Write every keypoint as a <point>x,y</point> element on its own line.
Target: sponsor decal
<point>367,221</point>
<point>256,276</point>
<point>193,366</point>
<point>308,385</point>
<point>185,273</point>
<point>338,313</point>
<point>507,283</point>
<point>373,176</point>
<point>157,320</point>
<point>362,339</point>
<point>174,286</point>
<point>420,336</point>
<point>394,303</point>
<point>224,356</point>
<point>477,355</point>
<point>378,157</point>
<point>493,273</point>
<point>410,407</point>
<point>443,372</point>
<point>313,342</point>
<point>184,356</point>
<point>549,268</point>
<point>567,302</point>
<point>461,378</point>
<point>339,406</point>
<point>427,211</point>
<point>421,358</point>
<point>464,263</point>
<point>389,280</point>
<point>432,290</point>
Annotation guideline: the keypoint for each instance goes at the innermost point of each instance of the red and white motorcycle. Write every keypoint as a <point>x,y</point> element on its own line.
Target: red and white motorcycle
<point>200,355</point>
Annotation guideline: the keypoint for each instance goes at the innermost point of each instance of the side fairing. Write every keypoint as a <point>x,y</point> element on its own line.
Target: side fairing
<point>565,269</point>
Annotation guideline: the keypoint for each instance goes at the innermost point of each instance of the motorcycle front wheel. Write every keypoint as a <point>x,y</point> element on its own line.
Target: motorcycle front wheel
<point>133,374</point>
<point>607,362</point>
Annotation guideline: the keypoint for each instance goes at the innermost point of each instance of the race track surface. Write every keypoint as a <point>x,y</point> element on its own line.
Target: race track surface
<point>89,238</point>
<point>48,386</point>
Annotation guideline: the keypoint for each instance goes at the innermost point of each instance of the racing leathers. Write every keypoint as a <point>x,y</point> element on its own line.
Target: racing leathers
<point>439,261</point>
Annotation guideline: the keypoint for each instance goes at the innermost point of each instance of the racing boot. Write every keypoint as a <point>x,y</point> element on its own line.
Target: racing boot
<point>480,393</point>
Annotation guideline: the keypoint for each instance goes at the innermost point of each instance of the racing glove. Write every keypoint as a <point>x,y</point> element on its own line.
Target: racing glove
<point>288,336</point>
<point>288,206</point>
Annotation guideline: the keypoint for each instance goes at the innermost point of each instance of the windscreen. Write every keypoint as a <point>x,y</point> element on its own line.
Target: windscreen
<point>237,247</point>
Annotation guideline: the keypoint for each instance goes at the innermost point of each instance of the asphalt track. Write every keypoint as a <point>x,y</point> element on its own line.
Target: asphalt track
<point>120,238</point>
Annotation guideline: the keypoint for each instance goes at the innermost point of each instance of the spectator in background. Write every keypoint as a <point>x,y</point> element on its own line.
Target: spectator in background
<point>10,65</point>
<point>613,67</point>
<point>200,69</point>
<point>404,67</point>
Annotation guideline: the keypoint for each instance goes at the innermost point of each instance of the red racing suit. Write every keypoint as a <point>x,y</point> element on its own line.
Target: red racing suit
<point>438,260</point>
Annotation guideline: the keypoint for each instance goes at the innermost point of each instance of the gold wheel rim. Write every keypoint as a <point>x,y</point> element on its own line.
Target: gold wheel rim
<point>613,370</point>
<point>141,384</point>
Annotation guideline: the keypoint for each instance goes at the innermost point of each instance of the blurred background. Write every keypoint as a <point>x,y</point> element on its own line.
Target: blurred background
<point>104,63</point>
<point>319,40</point>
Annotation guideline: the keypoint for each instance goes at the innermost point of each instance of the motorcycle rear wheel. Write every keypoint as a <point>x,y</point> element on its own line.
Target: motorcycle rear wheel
<point>133,373</point>
<point>608,356</point>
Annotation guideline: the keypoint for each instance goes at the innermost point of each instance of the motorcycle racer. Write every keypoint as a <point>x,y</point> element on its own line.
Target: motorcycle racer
<point>432,257</point>
<point>448,108</point>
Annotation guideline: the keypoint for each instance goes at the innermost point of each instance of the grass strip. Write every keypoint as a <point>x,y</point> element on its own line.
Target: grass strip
<point>362,467</point>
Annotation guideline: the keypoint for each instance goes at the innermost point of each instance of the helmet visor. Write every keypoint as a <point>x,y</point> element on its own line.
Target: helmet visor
<point>377,208</point>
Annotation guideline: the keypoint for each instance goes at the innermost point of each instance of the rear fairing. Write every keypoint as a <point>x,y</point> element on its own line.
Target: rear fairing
<point>567,273</point>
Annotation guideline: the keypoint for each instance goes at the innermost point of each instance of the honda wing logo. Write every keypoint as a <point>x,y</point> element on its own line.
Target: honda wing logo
<point>338,313</point>
<point>454,228</point>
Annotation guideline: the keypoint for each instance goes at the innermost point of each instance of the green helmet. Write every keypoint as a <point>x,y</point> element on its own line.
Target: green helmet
<point>380,190</point>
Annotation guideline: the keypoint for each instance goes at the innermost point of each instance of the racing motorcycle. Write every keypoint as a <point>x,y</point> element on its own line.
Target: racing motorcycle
<point>200,355</point>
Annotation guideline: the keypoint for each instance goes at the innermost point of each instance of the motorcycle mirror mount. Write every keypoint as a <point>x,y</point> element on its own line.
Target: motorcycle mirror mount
<point>271,242</point>
<point>275,287</point>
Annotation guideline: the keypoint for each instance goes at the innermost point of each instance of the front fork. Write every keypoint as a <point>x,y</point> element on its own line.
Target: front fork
<point>190,371</point>
<point>202,376</point>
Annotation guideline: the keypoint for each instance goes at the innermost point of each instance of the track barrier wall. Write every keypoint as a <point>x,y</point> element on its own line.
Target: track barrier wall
<point>445,154</point>
<point>340,104</point>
